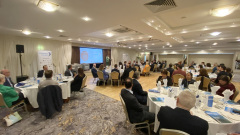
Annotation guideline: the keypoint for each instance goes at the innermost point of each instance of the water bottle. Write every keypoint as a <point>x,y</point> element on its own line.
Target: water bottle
<point>159,86</point>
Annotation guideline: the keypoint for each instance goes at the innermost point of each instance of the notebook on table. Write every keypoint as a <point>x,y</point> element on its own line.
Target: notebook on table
<point>218,117</point>
<point>157,99</point>
<point>155,91</point>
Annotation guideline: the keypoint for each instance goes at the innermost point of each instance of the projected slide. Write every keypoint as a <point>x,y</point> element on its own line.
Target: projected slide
<point>91,55</point>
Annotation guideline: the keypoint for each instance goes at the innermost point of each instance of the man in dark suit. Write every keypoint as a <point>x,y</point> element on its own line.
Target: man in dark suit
<point>41,72</point>
<point>69,72</point>
<point>94,71</point>
<point>138,90</point>
<point>116,69</point>
<point>133,67</point>
<point>136,64</point>
<point>136,112</point>
<point>170,69</point>
<point>180,118</point>
<point>126,73</point>
<point>222,72</point>
<point>8,80</point>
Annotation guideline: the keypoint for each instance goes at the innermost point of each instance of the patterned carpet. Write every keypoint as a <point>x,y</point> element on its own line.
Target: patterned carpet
<point>94,114</point>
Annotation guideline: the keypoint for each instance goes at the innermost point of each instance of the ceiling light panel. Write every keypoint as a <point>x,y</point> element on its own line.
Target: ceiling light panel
<point>47,5</point>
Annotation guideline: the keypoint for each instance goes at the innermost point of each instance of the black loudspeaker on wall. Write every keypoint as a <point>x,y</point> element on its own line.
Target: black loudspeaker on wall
<point>19,48</point>
<point>151,53</point>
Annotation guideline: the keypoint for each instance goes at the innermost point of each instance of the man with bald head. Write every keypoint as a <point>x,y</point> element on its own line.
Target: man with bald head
<point>94,71</point>
<point>8,79</point>
<point>180,118</point>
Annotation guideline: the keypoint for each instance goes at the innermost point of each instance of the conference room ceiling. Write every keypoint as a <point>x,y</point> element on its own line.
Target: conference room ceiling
<point>133,25</point>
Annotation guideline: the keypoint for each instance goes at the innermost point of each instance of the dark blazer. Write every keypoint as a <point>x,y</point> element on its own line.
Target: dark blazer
<point>169,79</point>
<point>7,83</point>
<point>40,73</point>
<point>181,119</point>
<point>186,83</point>
<point>135,110</point>
<point>126,73</point>
<point>50,100</point>
<point>219,75</point>
<point>94,72</point>
<point>139,93</point>
<point>67,73</point>
<point>171,70</point>
<point>77,83</point>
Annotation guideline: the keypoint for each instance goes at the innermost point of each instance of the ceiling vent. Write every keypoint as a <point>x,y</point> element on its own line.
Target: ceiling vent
<point>160,5</point>
<point>122,29</point>
<point>62,36</point>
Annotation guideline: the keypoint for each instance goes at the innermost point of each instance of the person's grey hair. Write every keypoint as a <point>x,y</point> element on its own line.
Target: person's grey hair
<point>2,77</point>
<point>187,99</point>
<point>136,75</point>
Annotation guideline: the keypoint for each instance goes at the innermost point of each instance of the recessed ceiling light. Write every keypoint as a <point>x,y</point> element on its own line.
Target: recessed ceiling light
<point>205,39</point>
<point>47,36</point>
<point>150,36</point>
<point>184,31</point>
<point>26,32</point>
<point>69,39</point>
<point>47,5</point>
<point>168,43</point>
<point>152,21</point>
<point>233,25</point>
<point>205,28</point>
<point>170,46</point>
<point>197,42</point>
<point>139,48</point>
<point>129,47</point>
<point>215,33</point>
<point>238,40</point>
<point>153,44</point>
<point>109,34</point>
<point>224,11</point>
<point>140,37</point>
<point>185,45</point>
<point>168,33</point>
<point>86,19</point>
<point>60,30</point>
<point>140,45</point>
<point>215,43</point>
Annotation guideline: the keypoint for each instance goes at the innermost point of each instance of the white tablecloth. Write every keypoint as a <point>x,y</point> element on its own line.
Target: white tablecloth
<point>32,91</point>
<point>214,126</point>
<point>211,75</point>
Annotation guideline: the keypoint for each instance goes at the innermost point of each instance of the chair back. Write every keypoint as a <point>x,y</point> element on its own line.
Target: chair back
<point>206,82</point>
<point>155,67</point>
<point>137,68</point>
<point>84,81</point>
<point>163,66</point>
<point>115,75</point>
<point>168,73</point>
<point>124,108</point>
<point>131,74</point>
<point>100,75</point>
<point>235,94</point>
<point>164,131</point>
<point>176,78</point>
<point>209,70</point>
<point>2,102</point>
<point>198,78</point>
<point>148,69</point>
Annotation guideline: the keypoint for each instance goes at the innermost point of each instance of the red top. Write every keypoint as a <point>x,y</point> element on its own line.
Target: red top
<point>224,87</point>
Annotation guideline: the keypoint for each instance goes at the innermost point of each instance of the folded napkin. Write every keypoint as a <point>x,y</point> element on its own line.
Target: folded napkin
<point>227,93</point>
<point>215,89</point>
<point>165,81</point>
<point>154,91</point>
<point>20,84</point>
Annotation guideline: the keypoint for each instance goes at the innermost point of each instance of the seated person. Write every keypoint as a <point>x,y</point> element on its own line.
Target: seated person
<point>224,84</point>
<point>164,76</point>
<point>48,81</point>
<point>145,68</point>
<point>152,66</point>
<point>8,80</point>
<point>203,72</point>
<point>125,65</point>
<point>215,68</point>
<point>170,69</point>
<point>222,70</point>
<point>188,80</point>
<point>105,74</point>
<point>137,113</point>
<point>229,71</point>
<point>94,71</point>
<point>10,96</point>
<point>116,69</point>
<point>138,90</point>
<point>69,72</point>
<point>133,67</point>
<point>126,73</point>
<point>181,118</point>
<point>41,72</point>
<point>136,64</point>
<point>77,82</point>
<point>179,71</point>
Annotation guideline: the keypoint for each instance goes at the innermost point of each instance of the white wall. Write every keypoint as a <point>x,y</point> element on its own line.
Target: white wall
<point>117,54</point>
<point>9,59</point>
<point>227,59</point>
<point>171,58</point>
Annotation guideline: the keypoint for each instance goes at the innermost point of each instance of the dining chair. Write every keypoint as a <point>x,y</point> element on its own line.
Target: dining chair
<point>164,131</point>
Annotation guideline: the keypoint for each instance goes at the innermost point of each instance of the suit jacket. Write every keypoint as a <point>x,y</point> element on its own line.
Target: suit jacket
<point>171,70</point>
<point>40,73</point>
<point>77,83</point>
<point>186,83</point>
<point>68,73</point>
<point>94,72</point>
<point>135,110</point>
<point>46,83</point>
<point>169,79</point>
<point>181,119</point>
<point>126,73</point>
<point>138,92</point>
<point>8,83</point>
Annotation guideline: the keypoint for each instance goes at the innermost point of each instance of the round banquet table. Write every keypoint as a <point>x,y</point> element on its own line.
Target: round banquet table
<point>31,92</point>
<point>214,127</point>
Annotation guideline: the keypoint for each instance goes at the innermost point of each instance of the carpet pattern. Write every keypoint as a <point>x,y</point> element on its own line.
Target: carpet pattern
<point>94,114</point>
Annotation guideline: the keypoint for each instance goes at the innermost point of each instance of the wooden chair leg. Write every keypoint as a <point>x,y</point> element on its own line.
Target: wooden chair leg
<point>149,132</point>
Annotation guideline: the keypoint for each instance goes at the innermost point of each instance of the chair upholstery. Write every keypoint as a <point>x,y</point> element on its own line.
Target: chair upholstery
<point>101,78</point>
<point>147,71</point>
<point>137,68</point>
<point>235,94</point>
<point>176,77</point>
<point>155,67</point>
<point>131,74</point>
<point>209,70</point>
<point>134,124</point>
<point>163,66</point>
<point>115,76</point>
<point>168,73</point>
<point>206,82</point>
<point>13,108</point>
<point>165,131</point>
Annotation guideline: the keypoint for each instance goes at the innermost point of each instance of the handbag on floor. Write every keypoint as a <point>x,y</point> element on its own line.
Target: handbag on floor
<point>12,118</point>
